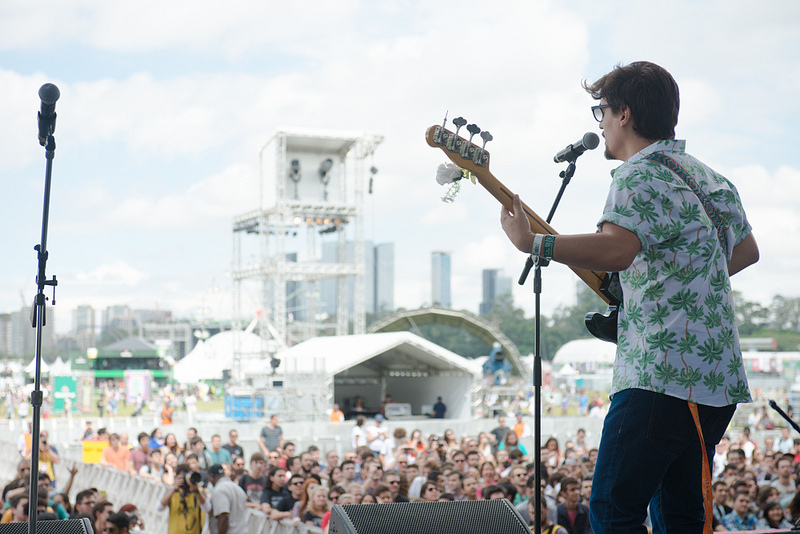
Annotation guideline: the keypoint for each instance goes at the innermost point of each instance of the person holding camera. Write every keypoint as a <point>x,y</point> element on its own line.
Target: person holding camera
<point>228,502</point>
<point>186,502</point>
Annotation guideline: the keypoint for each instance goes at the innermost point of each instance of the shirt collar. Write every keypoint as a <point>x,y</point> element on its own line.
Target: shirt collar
<point>664,145</point>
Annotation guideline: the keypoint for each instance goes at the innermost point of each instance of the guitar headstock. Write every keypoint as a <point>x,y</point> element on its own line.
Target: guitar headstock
<point>463,152</point>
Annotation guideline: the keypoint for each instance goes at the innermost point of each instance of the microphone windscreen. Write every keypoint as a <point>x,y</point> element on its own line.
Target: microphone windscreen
<point>49,93</point>
<point>590,140</point>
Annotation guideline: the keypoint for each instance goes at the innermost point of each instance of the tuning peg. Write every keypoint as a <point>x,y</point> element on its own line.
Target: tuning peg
<point>452,143</point>
<point>479,157</point>
<point>465,147</point>
<point>473,129</point>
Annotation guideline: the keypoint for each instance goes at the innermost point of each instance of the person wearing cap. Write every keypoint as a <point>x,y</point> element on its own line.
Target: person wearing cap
<point>376,435</point>
<point>228,504</point>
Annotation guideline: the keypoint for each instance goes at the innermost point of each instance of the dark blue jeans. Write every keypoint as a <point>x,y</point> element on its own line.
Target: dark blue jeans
<point>650,454</point>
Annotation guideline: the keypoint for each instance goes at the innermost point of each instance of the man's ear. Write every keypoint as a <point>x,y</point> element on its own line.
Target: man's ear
<point>625,116</point>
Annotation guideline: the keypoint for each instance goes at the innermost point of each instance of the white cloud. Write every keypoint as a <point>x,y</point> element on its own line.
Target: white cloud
<point>110,274</point>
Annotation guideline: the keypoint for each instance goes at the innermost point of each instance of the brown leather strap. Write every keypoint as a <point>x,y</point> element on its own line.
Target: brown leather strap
<point>708,496</point>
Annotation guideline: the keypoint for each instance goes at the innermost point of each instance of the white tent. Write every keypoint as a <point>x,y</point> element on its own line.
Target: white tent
<point>582,352</point>
<point>60,367</point>
<point>411,369</point>
<point>31,367</point>
<point>208,359</point>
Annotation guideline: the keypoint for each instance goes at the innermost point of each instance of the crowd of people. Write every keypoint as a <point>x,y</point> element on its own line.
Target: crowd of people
<point>755,485</point>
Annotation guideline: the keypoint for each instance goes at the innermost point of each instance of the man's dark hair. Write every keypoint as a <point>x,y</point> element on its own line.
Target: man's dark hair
<point>121,520</point>
<point>290,462</point>
<point>142,435</point>
<point>99,507</point>
<point>346,462</point>
<point>274,469</point>
<point>717,484</point>
<point>182,469</point>
<point>312,448</point>
<point>569,481</point>
<point>81,496</point>
<point>649,91</point>
<point>16,498</point>
<point>192,456</point>
<point>493,488</point>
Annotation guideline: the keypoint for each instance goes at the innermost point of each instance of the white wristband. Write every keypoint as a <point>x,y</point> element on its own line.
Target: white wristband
<point>537,244</point>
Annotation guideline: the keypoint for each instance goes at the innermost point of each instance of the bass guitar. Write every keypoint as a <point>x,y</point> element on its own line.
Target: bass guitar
<point>475,159</point>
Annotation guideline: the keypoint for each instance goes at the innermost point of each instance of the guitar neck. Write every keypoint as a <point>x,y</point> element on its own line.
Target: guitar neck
<point>594,279</point>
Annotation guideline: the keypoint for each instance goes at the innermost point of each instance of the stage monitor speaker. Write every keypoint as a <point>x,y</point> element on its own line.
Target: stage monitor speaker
<point>445,517</point>
<point>55,526</point>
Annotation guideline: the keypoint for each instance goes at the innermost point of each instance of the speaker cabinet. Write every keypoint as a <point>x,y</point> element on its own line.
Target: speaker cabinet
<point>446,517</point>
<point>64,526</point>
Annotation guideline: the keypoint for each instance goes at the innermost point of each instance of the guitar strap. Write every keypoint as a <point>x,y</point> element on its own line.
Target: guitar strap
<point>687,178</point>
<point>712,213</point>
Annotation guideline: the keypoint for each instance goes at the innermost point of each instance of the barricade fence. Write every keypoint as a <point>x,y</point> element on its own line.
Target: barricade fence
<point>121,488</point>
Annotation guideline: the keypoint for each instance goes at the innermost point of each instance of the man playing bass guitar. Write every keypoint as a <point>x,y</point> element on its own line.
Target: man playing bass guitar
<point>676,231</point>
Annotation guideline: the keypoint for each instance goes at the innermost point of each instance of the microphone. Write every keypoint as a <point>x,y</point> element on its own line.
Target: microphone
<point>571,153</point>
<point>49,94</point>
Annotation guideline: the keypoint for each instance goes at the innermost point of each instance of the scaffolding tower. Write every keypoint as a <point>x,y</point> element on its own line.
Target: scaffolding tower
<point>311,192</point>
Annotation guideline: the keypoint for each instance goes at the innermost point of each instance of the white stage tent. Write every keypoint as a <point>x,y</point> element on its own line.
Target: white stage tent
<point>209,358</point>
<point>585,354</point>
<point>410,368</point>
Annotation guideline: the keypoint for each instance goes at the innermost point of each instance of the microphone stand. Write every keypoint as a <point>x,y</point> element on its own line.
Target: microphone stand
<point>537,263</point>
<point>38,321</point>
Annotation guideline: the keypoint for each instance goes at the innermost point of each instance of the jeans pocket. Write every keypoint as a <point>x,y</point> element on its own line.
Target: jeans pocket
<point>671,426</point>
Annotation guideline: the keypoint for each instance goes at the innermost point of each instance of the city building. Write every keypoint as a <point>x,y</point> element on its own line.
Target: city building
<point>440,279</point>
<point>494,286</point>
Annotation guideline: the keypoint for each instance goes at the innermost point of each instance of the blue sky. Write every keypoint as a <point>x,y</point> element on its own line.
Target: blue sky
<point>165,106</point>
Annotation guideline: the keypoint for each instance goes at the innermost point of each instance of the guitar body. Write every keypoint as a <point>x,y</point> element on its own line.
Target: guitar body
<point>476,160</point>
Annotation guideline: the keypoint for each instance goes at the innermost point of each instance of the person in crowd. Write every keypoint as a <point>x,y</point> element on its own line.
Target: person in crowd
<point>377,434</point>
<point>100,514</point>
<point>218,454</point>
<point>232,446</point>
<point>773,518</point>
<point>171,445</point>
<point>140,456</point>
<point>254,482</point>
<point>548,526</point>
<point>114,454</point>
<point>156,439</point>
<point>118,523</point>
<point>136,524</point>
<point>155,468</point>
<point>430,491</point>
<point>573,515</point>
<point>275,491</point>
<point>784,482</point>
<point>284,508</point>
<point>392,481</point>
<point>454,484</point>
<point>271,437</point>
<point>228,504</point>
<point>316,507</point>
<point>186,502</point>
<point>740,518</point>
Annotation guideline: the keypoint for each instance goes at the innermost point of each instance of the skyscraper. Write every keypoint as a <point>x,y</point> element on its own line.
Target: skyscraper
<point>440,279</point>
<point>378,277</point>
<point>494,286</point>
